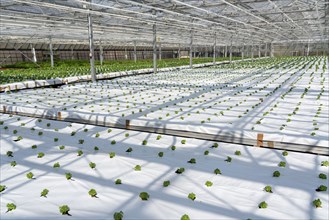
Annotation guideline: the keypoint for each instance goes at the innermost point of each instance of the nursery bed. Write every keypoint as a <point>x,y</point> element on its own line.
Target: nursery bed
<point>286,100</point>
<point>235,193</point>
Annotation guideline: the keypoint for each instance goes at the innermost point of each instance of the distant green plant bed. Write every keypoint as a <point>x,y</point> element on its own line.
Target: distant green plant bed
<point>24,71</point>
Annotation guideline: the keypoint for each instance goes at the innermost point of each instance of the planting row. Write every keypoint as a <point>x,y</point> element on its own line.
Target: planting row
<point>286,99</point>
<point>51,168</point>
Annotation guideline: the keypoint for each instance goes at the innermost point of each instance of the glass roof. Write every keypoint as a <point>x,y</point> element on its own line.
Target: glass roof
<point>121,22</point>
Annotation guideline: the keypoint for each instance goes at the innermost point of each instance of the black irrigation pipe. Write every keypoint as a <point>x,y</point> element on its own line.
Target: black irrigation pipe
<point>294,147</point>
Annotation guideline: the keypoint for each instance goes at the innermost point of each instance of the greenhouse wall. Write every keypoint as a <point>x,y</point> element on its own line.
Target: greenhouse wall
<point>13,56</point>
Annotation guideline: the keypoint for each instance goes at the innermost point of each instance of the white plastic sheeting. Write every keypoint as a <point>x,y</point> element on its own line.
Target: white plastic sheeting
<point>235,194</point>
<point>233,102</point>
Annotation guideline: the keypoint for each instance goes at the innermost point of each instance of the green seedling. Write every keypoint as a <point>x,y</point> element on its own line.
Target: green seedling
<point>191,196</point>
<point>166,183</point>
<point>144,196</point>
<point>64,210</point>
<point>44,193</point>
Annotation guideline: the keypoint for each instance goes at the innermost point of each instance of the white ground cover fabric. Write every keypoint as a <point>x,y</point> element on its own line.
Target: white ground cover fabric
<point>235,194</point>
<point>287,102</point>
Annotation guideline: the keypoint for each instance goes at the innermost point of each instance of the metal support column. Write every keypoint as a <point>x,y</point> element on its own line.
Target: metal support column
<point>252,52</point>
<point>231,51</point>
<point>242,52</point>
<point>101,57</point>
<point>265,50</point>
<point>191,48</point>
<point>259,54</point>
<point>72,53</point>
<point>214,51</point>
<point>225,50</point>
<point>34,59</point>
<point>91,47</point>
<point>308,48</point>
<point>51,53</point>
<point>135,52</point>
<point>178,51</point>
<point>154,46</point>
<point>160,52</point>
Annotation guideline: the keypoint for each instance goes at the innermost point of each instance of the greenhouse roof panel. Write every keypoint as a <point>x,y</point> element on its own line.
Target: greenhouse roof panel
<point>124,21</point>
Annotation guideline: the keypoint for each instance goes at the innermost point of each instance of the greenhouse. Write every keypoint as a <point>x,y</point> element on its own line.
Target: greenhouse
<point>164,109</point>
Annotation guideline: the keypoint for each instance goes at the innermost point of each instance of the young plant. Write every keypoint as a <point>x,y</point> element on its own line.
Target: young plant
<point>129,150</point>
<point>92,165</point>
<point>13,163</point>
<point>11,207</point>
<point>217,171</point>
<point>268,189</point>
<point>74,132</point>
<point>323,176</point>
<point>118,181</point>
<point>93,193</point>
<point>2,188</point>
<point>238,153</point>
<point>41,154</point>
<point>18,138</point>
<point>166,183</point>
<point>56,165</point>
<point>40,133</point>
<point>64,210</point>
<point>29,175</point>
<point>96,148</point>
<point>144,196</point>
<point>173,148</point>
<point>317,203</point>
<point>138,168</point>
<point>158,137</point>
<point>206,152</point>
<point>285,153</point>
<point>62,147</point>
<point>229,159</point>
<point>144,142</point>
<point>9,154</point>
<point>180,170</point>
<point>68,176</point>
<point>208,183</point>
<point>97,135</point>
<point>80,152</point>
<point>276,173</point>
<point>183,141</point>
<point>192,160</point>
<point>81,141</point>
<point>44,193</point>
<point>282,164</point>
<point>215,145</point>
<point>321,188</point>
<point>325,163</point>
<point>160,154</point>
<point>34,146</point>
<point>126,135</point>
<point>191,196</point>
<point>118,215</point>
<point>262,205</point>
<point>185,217</point>
<point>112,154</point>
<point>55,139</point>
<point>113,142</point>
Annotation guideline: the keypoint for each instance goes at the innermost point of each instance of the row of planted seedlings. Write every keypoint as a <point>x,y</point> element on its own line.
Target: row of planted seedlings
<point>82,151</point>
